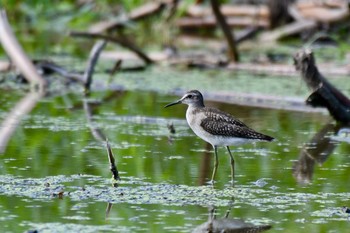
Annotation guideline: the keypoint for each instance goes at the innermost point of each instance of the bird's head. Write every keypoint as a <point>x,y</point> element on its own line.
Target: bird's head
<point>192,98</point>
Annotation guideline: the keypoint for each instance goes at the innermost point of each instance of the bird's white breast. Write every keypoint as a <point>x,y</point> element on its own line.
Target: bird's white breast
<point>194,119</point>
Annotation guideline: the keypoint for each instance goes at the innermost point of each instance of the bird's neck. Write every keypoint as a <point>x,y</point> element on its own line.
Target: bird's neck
<point>196,105</point>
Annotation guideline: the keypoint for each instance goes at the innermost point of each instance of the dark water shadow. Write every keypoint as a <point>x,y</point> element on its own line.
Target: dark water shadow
<point>316,151</point>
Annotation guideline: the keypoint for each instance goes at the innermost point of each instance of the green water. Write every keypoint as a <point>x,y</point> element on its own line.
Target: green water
<point>53,150</point>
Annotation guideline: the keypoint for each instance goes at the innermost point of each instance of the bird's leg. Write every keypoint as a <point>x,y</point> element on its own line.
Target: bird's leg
<point>216,163</point>
<point>232,162</point>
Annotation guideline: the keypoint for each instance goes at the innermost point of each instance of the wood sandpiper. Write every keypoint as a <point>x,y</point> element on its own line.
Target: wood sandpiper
<point>217,127</point>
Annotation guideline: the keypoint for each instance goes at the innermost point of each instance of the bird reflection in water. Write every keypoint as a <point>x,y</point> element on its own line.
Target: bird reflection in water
<point>226,224</point>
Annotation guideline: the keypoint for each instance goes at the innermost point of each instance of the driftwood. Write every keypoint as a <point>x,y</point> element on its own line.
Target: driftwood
<point>324,93</point>
<point>230,38</point>
<point>288,30</point>
<point>210,22</point>
<point>139,13</point>
<point>309,15</point>
<point>17,55</point>
<point>235,15</point>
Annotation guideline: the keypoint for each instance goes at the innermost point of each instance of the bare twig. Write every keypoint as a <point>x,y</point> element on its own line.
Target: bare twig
<point>16,53</point>
<point>233,53</point>
<point>121,42</point>
<point>111,159</point>
<point>94,55</point>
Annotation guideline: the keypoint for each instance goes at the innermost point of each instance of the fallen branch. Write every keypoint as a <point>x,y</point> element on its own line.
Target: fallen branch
<point>121,42</point>
<point>210,22</point>
<point>288,30</point>
<point>17,55</point>
<point>139,13</point>
<point>324,94</point>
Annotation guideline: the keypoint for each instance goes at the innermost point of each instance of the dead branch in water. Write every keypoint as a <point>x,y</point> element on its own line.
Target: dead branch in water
<point>17,55</point>
<point>324,93</point>
<point>112,165</point>
<point>93,58</point>
<point>121,42</point>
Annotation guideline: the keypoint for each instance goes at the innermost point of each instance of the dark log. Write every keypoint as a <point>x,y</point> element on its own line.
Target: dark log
<point>324,93</point>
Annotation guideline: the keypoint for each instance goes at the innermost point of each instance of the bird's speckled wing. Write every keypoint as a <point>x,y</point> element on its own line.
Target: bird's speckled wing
<point>221,123</point>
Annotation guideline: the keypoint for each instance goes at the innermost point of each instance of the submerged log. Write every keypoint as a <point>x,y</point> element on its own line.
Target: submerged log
<point>324,93</point>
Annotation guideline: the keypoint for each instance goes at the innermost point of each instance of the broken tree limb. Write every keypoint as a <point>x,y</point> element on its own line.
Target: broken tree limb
<point>124,43</point>
<point>17,55</point>
<point>288,30</point>
<point>93,58</point>
<point>324,93</point>
<point>233,52</point>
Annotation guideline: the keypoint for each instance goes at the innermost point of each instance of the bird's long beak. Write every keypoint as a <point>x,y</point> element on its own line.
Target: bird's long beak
<point>173,103</point>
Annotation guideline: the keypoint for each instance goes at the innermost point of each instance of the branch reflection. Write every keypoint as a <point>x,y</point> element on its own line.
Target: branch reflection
<point>12,120</point>
<point>317,150</point>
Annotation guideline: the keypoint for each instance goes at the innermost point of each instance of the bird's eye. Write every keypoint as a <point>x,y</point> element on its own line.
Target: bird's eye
<point>189,96</point>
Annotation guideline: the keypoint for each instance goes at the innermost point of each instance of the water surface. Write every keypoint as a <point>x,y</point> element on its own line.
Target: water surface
<point>53,151</point>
